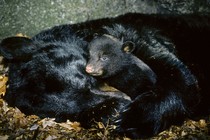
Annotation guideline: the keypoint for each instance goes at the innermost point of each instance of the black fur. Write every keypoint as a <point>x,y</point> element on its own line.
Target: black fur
<point>53,82</point>
<point>173,97</point>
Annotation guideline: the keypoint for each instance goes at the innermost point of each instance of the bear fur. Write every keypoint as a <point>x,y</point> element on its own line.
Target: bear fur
<point>48,79</point>
<point>168,44</point>
<point>155,97</point>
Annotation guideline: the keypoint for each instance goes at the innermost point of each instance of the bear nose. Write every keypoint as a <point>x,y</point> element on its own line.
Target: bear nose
<point>89,69</point>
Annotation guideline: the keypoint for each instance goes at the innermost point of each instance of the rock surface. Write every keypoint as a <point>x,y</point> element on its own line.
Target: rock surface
<point>30,17</point>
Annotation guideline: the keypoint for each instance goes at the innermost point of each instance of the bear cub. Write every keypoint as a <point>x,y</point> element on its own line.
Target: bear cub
<point>112,61</point>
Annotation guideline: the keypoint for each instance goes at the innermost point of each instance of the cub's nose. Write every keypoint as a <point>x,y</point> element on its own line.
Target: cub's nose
<point>89,69</point>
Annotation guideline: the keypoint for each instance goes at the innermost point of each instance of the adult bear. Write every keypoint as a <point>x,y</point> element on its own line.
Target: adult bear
<point>48,79</point>
<point>158,39</point>
<point>168,44</point>
<point>161,97</point>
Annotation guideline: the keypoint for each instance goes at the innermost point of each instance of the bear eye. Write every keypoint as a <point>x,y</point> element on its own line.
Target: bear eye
<point>104,58</point>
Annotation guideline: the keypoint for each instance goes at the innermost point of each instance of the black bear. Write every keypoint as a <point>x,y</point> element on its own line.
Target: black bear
<point>47,73</point>
<point>47,78</point>
<point>112,61</point>
<point>172,54</point>
<point>154,96</point>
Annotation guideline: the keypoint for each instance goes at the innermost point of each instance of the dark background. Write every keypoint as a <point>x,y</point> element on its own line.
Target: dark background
<point>31,16</point>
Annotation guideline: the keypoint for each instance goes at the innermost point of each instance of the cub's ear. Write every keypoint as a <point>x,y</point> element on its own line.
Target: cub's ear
<point>128,46</point>
<point>17,48</point>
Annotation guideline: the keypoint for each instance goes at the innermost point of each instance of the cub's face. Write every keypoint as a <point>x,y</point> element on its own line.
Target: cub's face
<point>107,56</point>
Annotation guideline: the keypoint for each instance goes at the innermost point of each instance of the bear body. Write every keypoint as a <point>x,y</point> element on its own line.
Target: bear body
<point>48,79</point>
<point>110,61</point>
<point>169,46</point>
<point>47,74</point>
<point>175,59</point>
<point>153,97</point>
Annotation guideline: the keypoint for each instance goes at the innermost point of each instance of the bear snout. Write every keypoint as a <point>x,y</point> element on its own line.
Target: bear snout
<point>89,69</point>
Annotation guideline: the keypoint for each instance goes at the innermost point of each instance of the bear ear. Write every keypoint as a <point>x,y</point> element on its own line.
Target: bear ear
<point>16,47</point>
<point>128,46</point>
